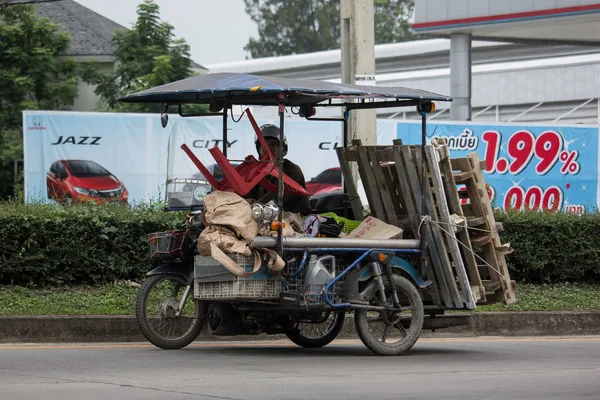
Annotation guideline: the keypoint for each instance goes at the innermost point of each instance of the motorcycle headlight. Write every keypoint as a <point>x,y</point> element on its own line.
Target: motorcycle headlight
<point>257,211</point>
<point>270,211</point>
<point>83,191</point>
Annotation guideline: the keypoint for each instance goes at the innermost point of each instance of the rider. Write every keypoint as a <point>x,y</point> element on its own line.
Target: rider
<point>291,203</point>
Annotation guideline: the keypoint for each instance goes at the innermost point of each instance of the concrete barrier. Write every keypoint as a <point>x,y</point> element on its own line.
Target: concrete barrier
<point>55,329</point>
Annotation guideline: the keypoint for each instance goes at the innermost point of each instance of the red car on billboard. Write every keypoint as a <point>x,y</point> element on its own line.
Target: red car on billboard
<point>330,179</point>
<point>81,181</point>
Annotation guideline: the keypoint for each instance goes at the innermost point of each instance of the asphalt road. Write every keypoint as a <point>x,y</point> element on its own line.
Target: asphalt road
<point>527,368</point>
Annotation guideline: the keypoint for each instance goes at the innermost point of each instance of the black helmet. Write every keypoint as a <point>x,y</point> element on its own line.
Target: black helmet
<point>271,131</point>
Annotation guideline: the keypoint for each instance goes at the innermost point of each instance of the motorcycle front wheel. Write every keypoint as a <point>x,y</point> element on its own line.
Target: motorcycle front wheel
<point>157,302</point>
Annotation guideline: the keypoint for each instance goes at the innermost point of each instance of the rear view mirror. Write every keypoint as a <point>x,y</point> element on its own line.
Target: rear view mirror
<point>164,117</point>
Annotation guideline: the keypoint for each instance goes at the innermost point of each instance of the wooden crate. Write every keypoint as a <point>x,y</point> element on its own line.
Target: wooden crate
<point>483,230</point>
<point>392,176</point>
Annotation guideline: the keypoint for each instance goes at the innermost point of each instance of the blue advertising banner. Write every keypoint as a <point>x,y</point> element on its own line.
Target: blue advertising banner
<point>529,167</point>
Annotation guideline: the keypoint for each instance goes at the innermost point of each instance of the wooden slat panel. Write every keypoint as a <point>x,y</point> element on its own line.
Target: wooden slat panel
<point>370,184</point>
<point>413,216</point>
<point>444,215</point>
<point>476,221</point>
<point>391,178</point>
<point>460,164</point>
<point>480,240</point>
<point>412,191</point>
<point>491,286</point>
<point>455,208</point>
<point>481,207</point>
<point>384,189</point>
<point>499,269</point>
<point>355,202</point>
<point>436,253</point>
<point>446,265</point>
<point>461,177</point>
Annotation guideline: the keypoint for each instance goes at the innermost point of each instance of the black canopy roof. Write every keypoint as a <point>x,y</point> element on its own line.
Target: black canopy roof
<point>246,89</point>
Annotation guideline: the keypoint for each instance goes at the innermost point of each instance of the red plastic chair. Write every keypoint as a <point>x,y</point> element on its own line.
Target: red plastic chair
<point>249,173</point>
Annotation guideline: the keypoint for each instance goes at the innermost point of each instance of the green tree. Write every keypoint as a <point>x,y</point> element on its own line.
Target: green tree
<point>147,55</point>
<point>303,26</point>
<point>34,75</point>
<point>392,21</point>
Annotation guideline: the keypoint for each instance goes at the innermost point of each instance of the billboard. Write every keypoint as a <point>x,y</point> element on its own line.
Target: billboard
<point>529,167</point>
<point>123,157</point>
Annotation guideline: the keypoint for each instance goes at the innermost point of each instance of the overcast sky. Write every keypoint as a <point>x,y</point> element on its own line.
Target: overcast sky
<point>216,30</point>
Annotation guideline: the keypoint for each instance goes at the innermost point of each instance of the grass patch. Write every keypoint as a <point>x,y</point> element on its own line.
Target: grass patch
<point>82,300</point>
<point>120,300</point>
<point>552,297</point>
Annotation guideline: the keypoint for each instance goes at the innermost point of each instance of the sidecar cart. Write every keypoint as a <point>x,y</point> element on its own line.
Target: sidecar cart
<point>441,250</point>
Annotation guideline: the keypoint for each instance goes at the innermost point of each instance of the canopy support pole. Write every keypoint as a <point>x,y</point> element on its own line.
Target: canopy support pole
<point>225,143</point>
<point>423,246</point>
<point>280,186</point>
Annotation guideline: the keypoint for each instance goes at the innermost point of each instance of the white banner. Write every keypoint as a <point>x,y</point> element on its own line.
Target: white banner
<point>81,156</point>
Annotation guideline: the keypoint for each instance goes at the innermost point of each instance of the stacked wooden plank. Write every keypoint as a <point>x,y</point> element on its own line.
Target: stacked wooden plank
<point>482,227</point>
<point>392,176</point>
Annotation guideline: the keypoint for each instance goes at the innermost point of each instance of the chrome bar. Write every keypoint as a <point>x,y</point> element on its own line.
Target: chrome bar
<point>305,242</point>
<point>184,298</point>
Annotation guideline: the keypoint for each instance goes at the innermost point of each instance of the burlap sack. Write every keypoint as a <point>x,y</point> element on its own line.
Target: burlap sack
<point>229,218</point>
<point>232,211</point>
<point>215,241</point>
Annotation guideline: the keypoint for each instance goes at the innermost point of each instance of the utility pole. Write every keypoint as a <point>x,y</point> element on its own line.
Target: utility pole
<point>358,63</point>
<point>358,67</point>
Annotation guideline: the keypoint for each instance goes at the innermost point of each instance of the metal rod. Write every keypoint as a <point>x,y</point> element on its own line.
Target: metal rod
<point>302,264</point>
<point>280,186</point>
<point>394,115</point>
<point>423,174</point>
<point>439,113</point>
<point>337,278</point>
<point>526,111</point>
<point>380,104</point>
<point>423,243</point>
<point>306,242</point>
<point>352,249</point>
<point>344,183</point>
<point>346,115</point>
<point>326,119</point>
<point>225,143</point>
<point>477,114</point>
<point>573,110</point>
<point>184,298</point>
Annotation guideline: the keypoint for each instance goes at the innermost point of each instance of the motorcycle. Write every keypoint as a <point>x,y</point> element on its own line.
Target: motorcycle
<point>324,277</point>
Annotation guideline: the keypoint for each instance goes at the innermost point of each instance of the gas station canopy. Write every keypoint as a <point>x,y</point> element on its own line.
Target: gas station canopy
<point>560,21</point>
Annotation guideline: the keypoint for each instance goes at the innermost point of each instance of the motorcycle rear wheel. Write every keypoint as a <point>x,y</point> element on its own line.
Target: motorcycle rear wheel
<point>392,333</point>
<point>311,335</point>
<point>156,303</point>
